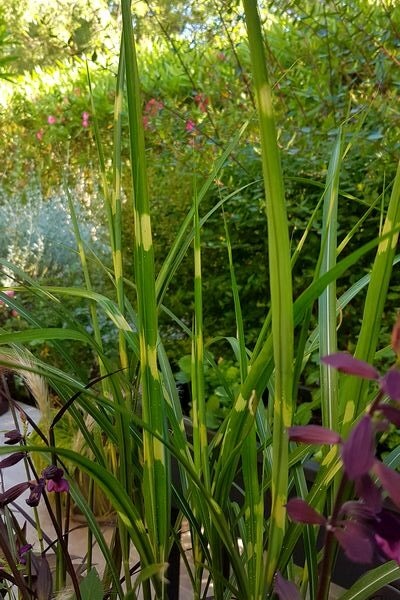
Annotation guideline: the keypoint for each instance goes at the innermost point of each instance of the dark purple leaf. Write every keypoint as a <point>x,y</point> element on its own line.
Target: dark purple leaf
<point>301,512</point>
<point>22,552</point>
<point>358,452</point>
<point>346,363</point>
<point>390,384</point>
<point>389,479</point>
<point>13,493</point>
<point>12,460</point>
<point>356,542</point>
<point>391,413</point>
<point>52,472</point>
<point>358,510</point>
<point>285,590</point>
<point>387,534</point>
<point>13,437</point>
<point>36,493</point>
<point>313,434</point>
<point>369,492</point>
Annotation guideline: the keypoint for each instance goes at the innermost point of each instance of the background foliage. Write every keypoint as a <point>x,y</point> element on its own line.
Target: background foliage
<point>329,62</point>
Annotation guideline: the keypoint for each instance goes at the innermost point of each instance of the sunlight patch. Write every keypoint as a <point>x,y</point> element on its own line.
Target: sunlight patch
<point>152,361</point>
<point>145,232</point>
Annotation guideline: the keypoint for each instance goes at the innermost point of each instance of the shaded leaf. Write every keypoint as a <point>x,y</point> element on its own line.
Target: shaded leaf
<point>91,587</point>
<point>285,590</point>
<point>44,583</point>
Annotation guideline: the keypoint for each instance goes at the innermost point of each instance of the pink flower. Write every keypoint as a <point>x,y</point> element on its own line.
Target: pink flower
<point>9,294</point>
<point>39,134</point>
<point>55,480</point>
<point>146,122</point>
<point>85,119</point>
<point>190,125</point>
<point>202,102</point>
<point>153,107</point>
<point>57,485</point>
<point>51,120</point>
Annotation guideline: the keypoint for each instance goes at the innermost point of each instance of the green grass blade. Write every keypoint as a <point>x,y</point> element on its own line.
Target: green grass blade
<point>156,491</point>
<point>372,581</point>
<point>116,204</point>
<point>200,441</point>
<point>280,285</point>
<point>327,301</point>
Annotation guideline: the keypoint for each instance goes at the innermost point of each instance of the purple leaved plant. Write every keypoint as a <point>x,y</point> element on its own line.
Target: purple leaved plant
<point>364,527</point>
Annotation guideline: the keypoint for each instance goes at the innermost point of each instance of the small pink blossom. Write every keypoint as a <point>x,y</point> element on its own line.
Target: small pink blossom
<point>85,119</point>
<point>202,102</point>
<point>39,134</point>
<point>55,480</point>
<point>51,119</point>
<point>153,107</point>
<point>9,294</point>
<point>57,485</point>
<point>146,122</point>
<point>190,126</point>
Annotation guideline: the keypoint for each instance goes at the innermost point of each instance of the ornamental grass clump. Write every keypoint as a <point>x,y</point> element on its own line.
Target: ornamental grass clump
<point>241,492</point>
